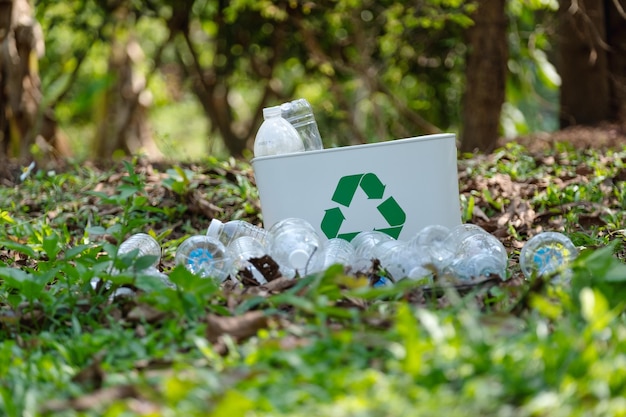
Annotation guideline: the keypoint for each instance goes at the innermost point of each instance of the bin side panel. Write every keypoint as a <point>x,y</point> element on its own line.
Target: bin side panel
<point>398,186</point>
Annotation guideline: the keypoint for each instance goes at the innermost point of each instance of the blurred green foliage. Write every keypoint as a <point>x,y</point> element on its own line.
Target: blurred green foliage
<point>373,70</point>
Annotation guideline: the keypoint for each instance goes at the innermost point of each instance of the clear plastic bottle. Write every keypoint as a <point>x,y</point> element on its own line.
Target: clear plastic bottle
<point>546,253</point>
<point>300,114</point>
<point>482,243</point>
<point>402,260</point>
<point>460,232</point>
<point>332,251</point>
<point>145,245</point>
<point>364,244</point>
<point>478,265</point>
<point>432,240</point>
<point>476,253</point>
<point>204,256</point>
<point>276,135</point>
<point>241,250</point>
<point>229,231</point>
<point>292,242</point>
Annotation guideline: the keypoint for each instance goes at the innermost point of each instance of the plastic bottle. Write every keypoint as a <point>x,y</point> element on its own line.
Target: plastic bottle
<point>332,251</point>
<point>145,245</point>
<point>241,250</point>
<point>402,260</point>
<point>546,253</point>
<point>475,266</point>
<point>292,242</point>
<point>229,231</point>
<point>300,114</point>
<point>364,244</point>
<point>204,256</point>
<point>460,232</point>
<point>432,240</point>
<point>276,135</point>
<point>476,253</point>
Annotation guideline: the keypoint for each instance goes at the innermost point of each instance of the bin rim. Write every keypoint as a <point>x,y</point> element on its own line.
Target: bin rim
<point>423,138</point>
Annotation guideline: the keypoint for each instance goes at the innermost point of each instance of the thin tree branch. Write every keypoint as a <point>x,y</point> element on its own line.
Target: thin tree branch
<point>619,8</point>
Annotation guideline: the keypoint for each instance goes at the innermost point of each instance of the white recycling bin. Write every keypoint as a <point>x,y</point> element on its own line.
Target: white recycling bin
<point>397,187</point>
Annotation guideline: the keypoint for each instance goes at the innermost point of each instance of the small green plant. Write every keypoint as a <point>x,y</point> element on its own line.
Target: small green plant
<point>87,332</point>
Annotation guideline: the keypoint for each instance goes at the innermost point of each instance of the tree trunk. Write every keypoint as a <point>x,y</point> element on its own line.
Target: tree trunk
<point>20,94</point>
<point>616,38</point>
<point>583,64</point>
<point>486,77</point>
<point>122,116</point>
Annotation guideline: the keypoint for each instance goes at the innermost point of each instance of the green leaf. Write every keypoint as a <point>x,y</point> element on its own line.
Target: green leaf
<point>233,403</point>
<point>18,247</point>
<point>75,251</point>
<point>189,282</point>
<point>145,262</point>
<point>5,217</point>
<point>14,276</point>
<point>600,270</point>
<point>602,265</point>
<point>51,245</point>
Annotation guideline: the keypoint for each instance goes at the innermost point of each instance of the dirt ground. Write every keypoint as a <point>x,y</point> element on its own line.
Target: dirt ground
<point>605,136</point>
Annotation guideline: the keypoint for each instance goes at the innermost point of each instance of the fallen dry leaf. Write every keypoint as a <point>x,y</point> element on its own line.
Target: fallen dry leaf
<point>238,327</point>
<point>92,400</point>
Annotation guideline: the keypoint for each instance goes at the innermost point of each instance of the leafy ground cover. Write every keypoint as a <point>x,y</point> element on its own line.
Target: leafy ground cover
<point>327,344</point>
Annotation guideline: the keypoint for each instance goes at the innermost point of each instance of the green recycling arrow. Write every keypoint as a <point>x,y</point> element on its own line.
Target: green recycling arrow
<point>373,187</point>
<point>392,212</point>
<point>331,223</point>
<point>345,189</point>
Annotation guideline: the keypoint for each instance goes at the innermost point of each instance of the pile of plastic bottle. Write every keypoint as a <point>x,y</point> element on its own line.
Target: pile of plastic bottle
<point>465,252</point>
<point>462,254</point>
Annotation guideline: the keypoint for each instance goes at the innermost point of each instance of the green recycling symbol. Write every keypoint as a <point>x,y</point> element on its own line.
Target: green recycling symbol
<point>374,189</point>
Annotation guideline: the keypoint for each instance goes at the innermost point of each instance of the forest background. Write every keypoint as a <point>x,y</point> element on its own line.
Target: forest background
<point>102,79</point>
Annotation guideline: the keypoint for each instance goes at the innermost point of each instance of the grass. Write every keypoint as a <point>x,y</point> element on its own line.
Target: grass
<point>327,344</point>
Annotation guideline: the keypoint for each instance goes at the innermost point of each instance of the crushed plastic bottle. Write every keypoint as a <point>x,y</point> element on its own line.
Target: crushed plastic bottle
<point>332,251</point>
<point>241,250</point>
<point>300,114</point>
<point>229,231</point>
<point>547,253</point>
<point>276,135</point>
<point>145,245</point>
<point>204,256</point>
<point>292,242</point>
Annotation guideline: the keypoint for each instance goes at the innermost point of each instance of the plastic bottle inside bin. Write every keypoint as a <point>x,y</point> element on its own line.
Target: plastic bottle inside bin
<point>292,242</point>
<point>145,245</point>
<point>241,250</point>
<point>276,135</point>
<point>204,256</point>
<point>229,231</point>
<point>300,114</point>
<point>547,253</point>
